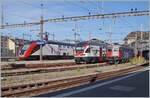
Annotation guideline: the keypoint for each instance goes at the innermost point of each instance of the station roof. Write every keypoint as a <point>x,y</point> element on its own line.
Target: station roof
<point>132,35</point>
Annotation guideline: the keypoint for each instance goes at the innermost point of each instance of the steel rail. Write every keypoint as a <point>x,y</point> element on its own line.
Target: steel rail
<point>38,65</point>
<point>46,70</point>
<point>56,85</point>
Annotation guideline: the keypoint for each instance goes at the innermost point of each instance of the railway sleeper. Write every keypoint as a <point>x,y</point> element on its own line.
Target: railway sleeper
<point>32,87</point>
<point>67,83</point>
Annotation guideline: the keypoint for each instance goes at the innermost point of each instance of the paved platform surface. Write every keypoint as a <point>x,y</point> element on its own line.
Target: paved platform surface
<point>131,85</point>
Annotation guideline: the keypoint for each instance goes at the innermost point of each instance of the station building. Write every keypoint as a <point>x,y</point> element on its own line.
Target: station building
<point>10,47</point>
<point>138,40</point>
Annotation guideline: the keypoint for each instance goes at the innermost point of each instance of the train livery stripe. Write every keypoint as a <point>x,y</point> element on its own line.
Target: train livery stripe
<point>29,50</point>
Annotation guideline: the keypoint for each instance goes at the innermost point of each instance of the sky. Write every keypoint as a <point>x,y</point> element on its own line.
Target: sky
<point>18,11</point>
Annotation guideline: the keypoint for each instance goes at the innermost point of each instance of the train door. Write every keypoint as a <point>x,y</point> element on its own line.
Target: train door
<point>100,54</point>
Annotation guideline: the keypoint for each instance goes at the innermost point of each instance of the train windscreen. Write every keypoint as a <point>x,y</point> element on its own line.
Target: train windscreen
<point>24,48</point>
<point>79,48</point>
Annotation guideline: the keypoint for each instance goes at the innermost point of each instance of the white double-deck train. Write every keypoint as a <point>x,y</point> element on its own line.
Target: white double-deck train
<point>50,50</point>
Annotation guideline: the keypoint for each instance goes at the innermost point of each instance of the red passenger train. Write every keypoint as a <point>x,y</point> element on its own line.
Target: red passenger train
<point>117,53</point>
<point>95,51</point>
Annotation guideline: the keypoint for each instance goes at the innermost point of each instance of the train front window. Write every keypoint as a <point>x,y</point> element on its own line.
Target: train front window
<point>115,49</point>
<point>79,48</point>
<point>109,50</point>
<point>25,47</point>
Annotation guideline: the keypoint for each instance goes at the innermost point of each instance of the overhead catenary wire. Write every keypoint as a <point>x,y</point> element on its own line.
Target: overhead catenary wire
<point>81,7</point>
<point>7,12</point>
<point>86,17</point>
<point>96,4</point>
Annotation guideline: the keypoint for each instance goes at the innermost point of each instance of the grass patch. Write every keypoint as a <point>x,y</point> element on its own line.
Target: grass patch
<point>137,60</point>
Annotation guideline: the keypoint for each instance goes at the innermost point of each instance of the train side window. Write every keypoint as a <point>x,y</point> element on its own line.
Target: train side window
<point>95,51</point>
<point>109,50</point>
<point>59,46</point>
<point>64,54</point>
<point>115,49</point>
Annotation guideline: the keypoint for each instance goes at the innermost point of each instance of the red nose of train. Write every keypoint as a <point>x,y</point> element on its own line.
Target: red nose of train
<point>79,53</point>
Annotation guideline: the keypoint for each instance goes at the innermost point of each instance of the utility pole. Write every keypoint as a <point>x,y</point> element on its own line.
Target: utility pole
<point>41,32</point>
<point>76,32</point>
<point>109,34</point>
<point>28,35</point>
<point>53,36</point>
<point>98,7</point>
<point>141,39</point>
<point>89,36</point>
<point>102,7</point>
<point>2,14</point>
<point>135,53</point>
<point>2,20</point>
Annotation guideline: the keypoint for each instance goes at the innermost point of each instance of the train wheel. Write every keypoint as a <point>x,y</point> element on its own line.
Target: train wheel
<point>123,60</point>
<point>117,62</point>
<point>88,62</point>
<point>77,61</point>
<point>110,62</point>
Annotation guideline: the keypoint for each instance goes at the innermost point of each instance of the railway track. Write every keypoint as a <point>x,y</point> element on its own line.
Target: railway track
<point>46,70</point>
<point>56,85</point>
<point>11,66</point>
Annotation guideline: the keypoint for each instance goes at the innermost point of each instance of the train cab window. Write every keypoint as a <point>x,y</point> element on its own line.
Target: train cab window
<point>79,48</point>
<point>109,50</point>
<point>115,49</point>
<point>25,47</point>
